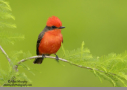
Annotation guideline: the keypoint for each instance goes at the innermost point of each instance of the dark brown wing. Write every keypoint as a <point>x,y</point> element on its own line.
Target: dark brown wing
<point>39,60</point>
<point>38,42</point>
<point>40,37</point>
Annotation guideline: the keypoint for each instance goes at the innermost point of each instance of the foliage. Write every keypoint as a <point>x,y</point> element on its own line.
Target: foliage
<point>7,36</point>
<point>10,36</point>
<point>111,67</point>
<point>11,77</point>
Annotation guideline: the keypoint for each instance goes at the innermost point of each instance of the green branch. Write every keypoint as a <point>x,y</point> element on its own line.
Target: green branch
<point>9,60</point>
<point>39,56</point>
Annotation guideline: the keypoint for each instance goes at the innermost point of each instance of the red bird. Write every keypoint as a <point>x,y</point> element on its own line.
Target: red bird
<point>50,39</point>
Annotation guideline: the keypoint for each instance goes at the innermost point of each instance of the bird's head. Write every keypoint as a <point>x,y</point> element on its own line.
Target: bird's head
<point>54,23</point>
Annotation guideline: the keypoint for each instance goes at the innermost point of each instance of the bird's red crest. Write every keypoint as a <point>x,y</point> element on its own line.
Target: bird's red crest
<point>54,21</point>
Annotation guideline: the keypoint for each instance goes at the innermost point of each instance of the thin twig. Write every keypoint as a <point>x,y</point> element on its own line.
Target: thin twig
<point>64,60</point>
<point>9,60</point>
<point>39,56</point>
<point>34,57</point>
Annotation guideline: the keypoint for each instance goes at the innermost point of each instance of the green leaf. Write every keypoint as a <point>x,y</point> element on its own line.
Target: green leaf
<point>111,67</point>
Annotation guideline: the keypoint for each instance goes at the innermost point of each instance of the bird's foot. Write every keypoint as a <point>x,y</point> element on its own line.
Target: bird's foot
<point>43,56</point>
<point>57,58</point>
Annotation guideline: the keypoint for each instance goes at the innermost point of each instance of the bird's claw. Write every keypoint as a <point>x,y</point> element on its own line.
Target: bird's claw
<point>57,58</point>
<point>43,56</point>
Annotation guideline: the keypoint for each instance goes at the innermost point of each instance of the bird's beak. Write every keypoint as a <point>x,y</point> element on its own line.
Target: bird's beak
<point>61,27</point>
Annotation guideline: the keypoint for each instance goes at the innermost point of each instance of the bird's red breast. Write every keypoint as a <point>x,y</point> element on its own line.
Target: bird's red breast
<point>51,42</point>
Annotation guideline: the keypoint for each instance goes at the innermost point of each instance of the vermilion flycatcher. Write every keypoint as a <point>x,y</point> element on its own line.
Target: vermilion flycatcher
<point>50,39</point>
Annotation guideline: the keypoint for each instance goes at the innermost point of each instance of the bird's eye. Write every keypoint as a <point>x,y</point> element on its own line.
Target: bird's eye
<point>53,26</point>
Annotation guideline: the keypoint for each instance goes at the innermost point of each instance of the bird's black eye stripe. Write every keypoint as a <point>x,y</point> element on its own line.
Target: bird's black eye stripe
<point>53,26</point>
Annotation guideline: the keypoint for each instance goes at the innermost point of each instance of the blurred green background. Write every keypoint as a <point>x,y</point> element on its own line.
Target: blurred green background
<point>101,24</point>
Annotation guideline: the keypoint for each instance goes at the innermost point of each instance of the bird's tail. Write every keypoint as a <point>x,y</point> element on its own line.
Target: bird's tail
<point>38,60</point>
